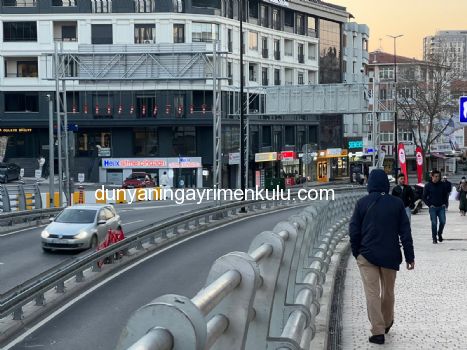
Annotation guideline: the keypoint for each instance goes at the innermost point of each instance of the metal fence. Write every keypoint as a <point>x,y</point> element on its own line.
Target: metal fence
<point>267,298</point>
<point>20,197</point>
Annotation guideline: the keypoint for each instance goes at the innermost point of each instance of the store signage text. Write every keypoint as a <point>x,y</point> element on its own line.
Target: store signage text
<point>15,130</point>
<point>133,163</point>
<point>265,157</point>
<point>355,144</point>
<point>288,155</point>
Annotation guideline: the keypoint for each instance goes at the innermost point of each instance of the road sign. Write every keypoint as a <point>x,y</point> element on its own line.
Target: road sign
<point>37,174</point>
<point>463,109</point>
<point>80,177</point>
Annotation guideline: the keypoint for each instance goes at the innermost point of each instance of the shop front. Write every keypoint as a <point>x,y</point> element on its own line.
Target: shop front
<point>290,167</point>
<point>181,171</point>
<point>332,164</point>
<point>266,167</point>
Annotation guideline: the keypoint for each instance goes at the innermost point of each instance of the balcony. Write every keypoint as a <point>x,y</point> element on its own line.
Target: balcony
<point>265,53</point>
<point>301,58</point>
<point>277,55</point>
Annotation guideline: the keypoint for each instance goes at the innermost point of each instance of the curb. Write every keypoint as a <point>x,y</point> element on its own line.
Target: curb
<point>323,320</point>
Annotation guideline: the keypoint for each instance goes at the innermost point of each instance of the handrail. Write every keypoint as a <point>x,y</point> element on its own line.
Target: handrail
<point>247,296</point>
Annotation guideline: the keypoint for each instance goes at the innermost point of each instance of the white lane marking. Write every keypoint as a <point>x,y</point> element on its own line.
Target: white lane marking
<point>22,230</point>
<point>2,263</point>
<point>132,222</point>
<point>110,278</point>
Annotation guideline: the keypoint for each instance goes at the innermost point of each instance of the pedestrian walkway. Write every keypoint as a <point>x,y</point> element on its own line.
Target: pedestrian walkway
<point>431,301</point>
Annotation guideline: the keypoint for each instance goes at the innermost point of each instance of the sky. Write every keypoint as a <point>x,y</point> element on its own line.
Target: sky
<point>415,19</point>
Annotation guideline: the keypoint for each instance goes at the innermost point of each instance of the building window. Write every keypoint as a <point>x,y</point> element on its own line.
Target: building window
<point>65,31</point>
<point>253,8</point>
<point>264,45</point>
<point>142,6</point>
<point>386,73</point>
<point>301,55</point>
<point>277,76</point>
<point>365,45</point>
<point>229,72</point>
<point>204,32</point>
<point>253,41</point>
<point>329,51</point>
<point>264,77</point>
<point>21,67</point>
<point>101,6</point>
<point>300,79</point>
<point>184,140</point>
<point>311,51</point>
<point>101,34</point>
<point>144,33</point>
<point>19,31</point>
<point>19,3</point>
<point>300,24</point>
<point>179,5</point>
<point>21,101</point>
<point>344,66</point>
<point>277,49</point>
<point>276,19</point>
<point>311,26</point>
<point>252,72</point>
<point>230,9</point>
<point>264,15</point>
<point>179,33</point>
<point>64,3</point>
<point>386,136</point>
<point>288,18</point>
<point>146,142</point>
<point>288,47</point>
<point>230,40</point>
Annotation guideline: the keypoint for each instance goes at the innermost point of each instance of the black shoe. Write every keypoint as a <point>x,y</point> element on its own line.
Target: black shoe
<point>377,339</point>
<point>440,238</point>
<point>388,327</point>
<point>435,241</point>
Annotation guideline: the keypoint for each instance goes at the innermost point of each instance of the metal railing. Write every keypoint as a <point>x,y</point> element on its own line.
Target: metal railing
<point>19,197</point>
<point>264,299</point>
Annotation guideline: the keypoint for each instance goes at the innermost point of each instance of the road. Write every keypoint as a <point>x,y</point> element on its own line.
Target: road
<point>97,319</point>
<point>21,256</point>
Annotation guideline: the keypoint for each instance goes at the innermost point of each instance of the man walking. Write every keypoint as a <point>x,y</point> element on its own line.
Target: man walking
<point>434,196</point>
<point>378,225</point>
<point>405,193</point>
<point>448,188</point>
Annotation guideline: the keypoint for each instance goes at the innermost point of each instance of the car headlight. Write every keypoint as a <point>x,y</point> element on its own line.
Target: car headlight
<point>45,234</point>
<point>81,235</point>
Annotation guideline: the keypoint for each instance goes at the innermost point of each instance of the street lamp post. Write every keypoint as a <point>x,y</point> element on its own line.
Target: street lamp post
<point>396,153</point>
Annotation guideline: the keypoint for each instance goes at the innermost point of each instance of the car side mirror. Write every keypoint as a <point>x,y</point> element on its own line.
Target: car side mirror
<point>101,222</point>
<point>51,219</point>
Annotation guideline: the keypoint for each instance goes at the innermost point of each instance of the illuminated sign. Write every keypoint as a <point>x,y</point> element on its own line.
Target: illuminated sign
<point>463,109</point>
<point>288,155</point>
<point>15,130</point>
<point>151,163</point>
<point>355,144</point>
<point>265,157</point>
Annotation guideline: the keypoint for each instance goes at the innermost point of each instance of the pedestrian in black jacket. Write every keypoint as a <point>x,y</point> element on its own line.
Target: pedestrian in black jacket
<point>436,198</point>
<point>379,224</point>
<point>405,193</point>
<point>448,185</point>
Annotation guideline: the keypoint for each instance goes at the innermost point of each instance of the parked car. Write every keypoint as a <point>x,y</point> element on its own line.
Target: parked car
<point>9,172</point>
<point>138,180</point>
<point>80,227</point>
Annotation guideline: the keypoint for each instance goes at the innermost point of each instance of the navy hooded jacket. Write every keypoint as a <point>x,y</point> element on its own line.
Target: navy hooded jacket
<point>376,232</point>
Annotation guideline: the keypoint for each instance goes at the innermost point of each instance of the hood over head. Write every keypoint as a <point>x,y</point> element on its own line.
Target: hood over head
<point>378,181</point>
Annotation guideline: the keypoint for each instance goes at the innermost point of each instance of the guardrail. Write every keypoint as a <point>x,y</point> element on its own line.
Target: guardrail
<point>20,197</point>
<point>264,299</point>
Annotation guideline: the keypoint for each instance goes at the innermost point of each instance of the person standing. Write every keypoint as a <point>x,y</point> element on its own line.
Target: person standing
<point>462,189</point>
<point>448,186</point>
<point>405,193</point>
<point>378,225</point>
<point>434,196</point>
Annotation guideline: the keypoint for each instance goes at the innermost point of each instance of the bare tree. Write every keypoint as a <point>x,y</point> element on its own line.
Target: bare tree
<point>425,99</point>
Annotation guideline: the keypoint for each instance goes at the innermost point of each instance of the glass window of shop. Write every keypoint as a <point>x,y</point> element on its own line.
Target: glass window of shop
<point>329,52</point>
<point>266,141</point>
<point>146,142</point>
<point>89,140</point>
<point>204,32</point>
<point>230,139</point>
<point>184,140</point>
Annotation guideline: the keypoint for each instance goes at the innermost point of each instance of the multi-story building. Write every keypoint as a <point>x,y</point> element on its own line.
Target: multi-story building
<point>355,63</point>
<point>286,43</point>
<point>451,45</point>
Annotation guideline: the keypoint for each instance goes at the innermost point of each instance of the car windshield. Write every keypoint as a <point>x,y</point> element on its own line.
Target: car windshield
<point>77,216</point>
<point>137,176</point>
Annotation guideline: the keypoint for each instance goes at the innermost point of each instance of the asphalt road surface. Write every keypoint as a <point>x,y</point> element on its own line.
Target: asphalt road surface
<point>21,256</point>
<point>96,321</point>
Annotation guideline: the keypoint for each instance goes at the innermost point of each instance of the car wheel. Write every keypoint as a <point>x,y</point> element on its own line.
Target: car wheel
<point>93,244</point>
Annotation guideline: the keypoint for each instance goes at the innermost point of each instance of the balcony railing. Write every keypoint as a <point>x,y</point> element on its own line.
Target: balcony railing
<point>265,53</point>
<point>277,55</point>
<point>301,58</point>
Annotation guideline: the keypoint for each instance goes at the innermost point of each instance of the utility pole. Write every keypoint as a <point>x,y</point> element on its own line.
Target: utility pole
<point>59,122</point>
<point>51,151</point>
<point>243,155</point>
<point>396,153</point>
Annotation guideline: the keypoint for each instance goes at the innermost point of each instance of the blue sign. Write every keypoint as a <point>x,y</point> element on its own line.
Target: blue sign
<point>355,144</point>
<point>463,109</point>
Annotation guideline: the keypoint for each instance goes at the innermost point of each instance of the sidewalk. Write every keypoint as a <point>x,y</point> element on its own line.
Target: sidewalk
<point>431,301</point>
